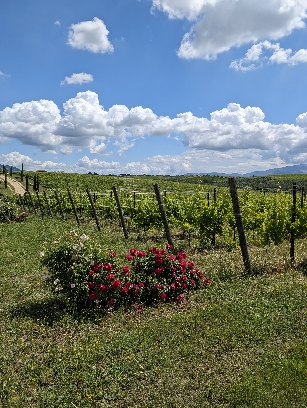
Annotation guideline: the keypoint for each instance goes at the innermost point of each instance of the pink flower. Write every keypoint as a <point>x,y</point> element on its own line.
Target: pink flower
<point>133,251</point>
<point>173,286</point>
<point>207,281</point>
<point>171,257</point>
<point>135,286</point>
<point>92,295</point>
<point>156,286</point>
<point>163,296</point>
<point>201,276</point>
<point>184,278</point>
<point>110,276</point>
<point>127,285</point>
<point>190,264</point>
<point>140,254</point>
<point>116,284</point>
<point>184,285</point>
<point>100,286</point>
<point>193,282</point>
<point>113,253</point>
<point>169,246</point>
<point>111,302</point>
<point>192,272</point>
<point>91,272</point>
<point>126,269</point>
<point>162,287</point>
<point>91,285</point>
<point>141,284</point>
<point>129,257</point>
<point>158,271</point>
<point>107,267</point>
<point>180,298</point>
<point>125,289</point>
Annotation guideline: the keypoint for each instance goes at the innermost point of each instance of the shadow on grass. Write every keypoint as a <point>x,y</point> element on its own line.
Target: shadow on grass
<point>51,311</point>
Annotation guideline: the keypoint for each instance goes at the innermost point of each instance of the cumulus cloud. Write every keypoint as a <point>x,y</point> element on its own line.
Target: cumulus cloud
<point>91,36</point>
<point>267,52</point>
<point>57,23</point>
<point>222,24</point>
<point>81,78</point>
<point>84,123</point>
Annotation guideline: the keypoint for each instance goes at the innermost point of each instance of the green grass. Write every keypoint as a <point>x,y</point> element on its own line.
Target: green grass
<point>239,343</point>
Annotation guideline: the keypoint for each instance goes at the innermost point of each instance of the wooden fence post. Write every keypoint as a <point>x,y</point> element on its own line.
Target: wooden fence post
<point>292,236</point>
<point>47,202</point>
<point>239,223</point>
<point>73,207</point>
<point>120,212</point>
<point>40,204</point>
<point>93,208</point>
<point>32,203</point>
<point>59,204</point>
<point>163,215</point>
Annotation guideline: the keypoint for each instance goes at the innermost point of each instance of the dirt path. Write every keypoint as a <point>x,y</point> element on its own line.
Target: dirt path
<point>16,186</point>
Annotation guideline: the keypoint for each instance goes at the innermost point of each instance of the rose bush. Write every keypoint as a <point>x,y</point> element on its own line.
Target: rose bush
<point>86,275</point>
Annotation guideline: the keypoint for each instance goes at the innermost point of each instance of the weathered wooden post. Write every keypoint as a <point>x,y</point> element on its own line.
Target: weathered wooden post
<point>59,204</point>
<point>239,224</point>
<point>120,212</point>
<point>73,206</point>
<point>93,209</point>
<point>163,215</point>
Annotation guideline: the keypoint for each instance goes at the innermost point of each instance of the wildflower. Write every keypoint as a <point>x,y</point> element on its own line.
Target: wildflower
<point>163,296</point>
<point>169,246</point>
<point>91,272</point>
<point>156,286</point>
<point>56,281</point>
<point>116,284</point>
<point>171,257</point>
<point>110,276</point>
<point>84,237</point>
<point>207,281</point>
<point>129,257</point>
<point>133,251</point>
<point>180,299</point>
<point>92,295</point>
<point>91,285</point>
<point>107,267</point>
<point>141,284</point>
<point>173,286</point>
<point>72,285</point>
<point>125,289</point>
<point>102,287</point>
<point>110,302</point>
<point>41,254</point>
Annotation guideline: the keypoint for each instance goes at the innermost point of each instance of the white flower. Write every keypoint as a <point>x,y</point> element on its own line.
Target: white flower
<point>72,285</point>
<point>80,245</point>
<point>41,254</point>
<point>56,281</point>
<point>84,237</point>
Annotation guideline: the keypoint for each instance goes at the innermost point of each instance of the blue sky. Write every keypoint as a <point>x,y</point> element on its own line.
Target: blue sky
<point>153,86</point>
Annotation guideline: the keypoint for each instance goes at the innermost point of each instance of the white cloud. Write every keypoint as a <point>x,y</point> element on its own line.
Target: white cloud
<point>222,24</point>
<point>91,36</point>
<point>86,124</point>
<point>267,52</point>
<point>3,75</point>
<point>57,23</point>
<point>81,78</point>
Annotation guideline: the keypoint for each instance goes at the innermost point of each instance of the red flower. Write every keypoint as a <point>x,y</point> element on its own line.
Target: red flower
<point>91,285</point>
<point>193,282</point>
<point>126,269</point>
<point>156,286</point>
<point>125,289</point>
<point>159,260</point>
<point>91,272</point>
<point>190,264</point>
<point>184,285</point>
<point>207,281</point>
<point>129,257</point>
<point>111,302</point>
<point>133,251</point>
<point>141,284</point>
<point>201,276</point>
<point>173,286</point>
<point>163,296</point>
<point>113,253</point>
<point>169,246</point>
<point>92,295</point>
<point>100,286</point>
<point>110,276</point>
<point>107,267</point>
<point>140,254</point>
<point>162,287</point>
<point>180,298</point>
<point>158,271</point>
<point>116,284</point>
<point>171,257</point>
<point>184,278</point>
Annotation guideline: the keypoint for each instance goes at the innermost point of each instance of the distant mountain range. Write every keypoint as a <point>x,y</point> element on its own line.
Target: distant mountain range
<point>8,168</point>
<point>295,169</point>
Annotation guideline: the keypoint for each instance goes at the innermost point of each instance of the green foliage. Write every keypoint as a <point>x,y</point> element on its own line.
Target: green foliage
<point>8,210</point>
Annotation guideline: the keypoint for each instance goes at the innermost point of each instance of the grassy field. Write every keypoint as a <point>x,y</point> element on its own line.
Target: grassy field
<point>239,343</point>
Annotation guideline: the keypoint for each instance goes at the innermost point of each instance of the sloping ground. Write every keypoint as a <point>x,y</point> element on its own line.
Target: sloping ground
<point>16,186</point>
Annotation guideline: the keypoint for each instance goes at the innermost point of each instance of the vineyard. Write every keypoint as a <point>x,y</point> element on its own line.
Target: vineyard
<point>200,213</point>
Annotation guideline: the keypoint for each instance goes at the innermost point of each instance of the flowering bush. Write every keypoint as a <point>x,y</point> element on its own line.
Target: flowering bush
<point>87,275</point>
<point>8,210</point>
